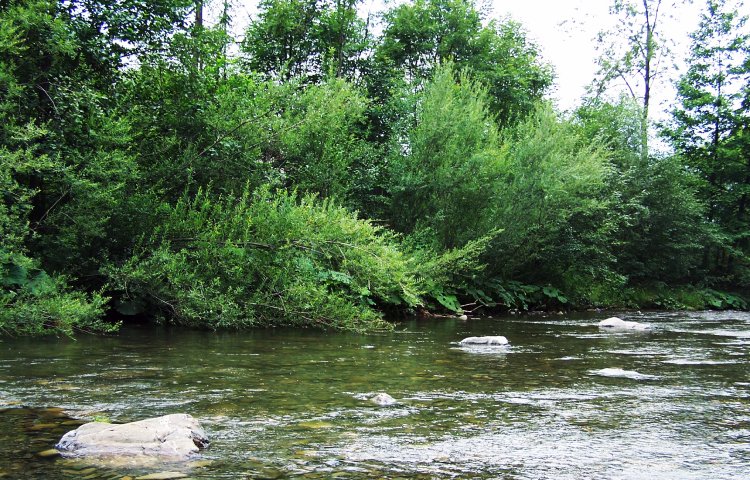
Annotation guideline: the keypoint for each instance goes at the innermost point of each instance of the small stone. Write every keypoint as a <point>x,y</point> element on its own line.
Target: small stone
<point>48,453</point>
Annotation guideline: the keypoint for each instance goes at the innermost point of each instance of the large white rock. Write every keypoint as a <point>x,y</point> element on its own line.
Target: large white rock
<point>175,436</point>
<point>615,323</point>
<point>490,340</point>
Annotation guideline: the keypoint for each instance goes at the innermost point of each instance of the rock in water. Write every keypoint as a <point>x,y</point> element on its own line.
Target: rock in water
<point>496,340</point>
<point>383,400</point>
<point>620,373</point>
<point>615,323</point>
<point>162,476</point>
<point>175,436</point>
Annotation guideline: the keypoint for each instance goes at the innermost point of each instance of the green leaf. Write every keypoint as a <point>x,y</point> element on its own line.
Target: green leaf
<point>554,293</point>
<point>340,277</point>
<point>449,301</point>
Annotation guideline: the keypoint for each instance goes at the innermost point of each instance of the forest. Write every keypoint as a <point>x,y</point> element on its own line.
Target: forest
<point>332,170</point>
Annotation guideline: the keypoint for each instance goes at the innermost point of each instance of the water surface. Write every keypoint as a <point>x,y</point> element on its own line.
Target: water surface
<point>563,401</point>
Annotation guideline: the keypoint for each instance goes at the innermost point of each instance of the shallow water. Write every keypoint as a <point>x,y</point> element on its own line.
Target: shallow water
<point>563,401</point>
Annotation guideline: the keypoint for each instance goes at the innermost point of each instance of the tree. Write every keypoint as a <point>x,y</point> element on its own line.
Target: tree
<point>549,205</point>
<point>709,124</point>
<point>306,39</point>
<point>418,36</point>
<point>655,221</point>
<point>638,61</point>
<point>54,93</point>
<point>421,35</point>
<point>111,33</point>
<point>445,166</point>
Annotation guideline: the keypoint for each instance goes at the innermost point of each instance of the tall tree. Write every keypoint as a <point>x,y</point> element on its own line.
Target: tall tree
<point>654,219</point>
<point>633,54</point>
<point>708,125</point>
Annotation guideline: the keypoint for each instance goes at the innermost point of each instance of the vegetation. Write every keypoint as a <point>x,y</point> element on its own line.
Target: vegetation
<point>320,175</point>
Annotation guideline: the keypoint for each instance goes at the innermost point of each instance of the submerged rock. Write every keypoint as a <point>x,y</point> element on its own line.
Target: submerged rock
<point>383,400</point>
<point>175,436</point>
<point>490,340</point>
<point>615,323</point>
<point>162,476</point>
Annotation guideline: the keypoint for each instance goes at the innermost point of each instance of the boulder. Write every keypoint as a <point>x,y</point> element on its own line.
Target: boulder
<point>175,436</point>
<point>490,340</point>
<point>383,400</point>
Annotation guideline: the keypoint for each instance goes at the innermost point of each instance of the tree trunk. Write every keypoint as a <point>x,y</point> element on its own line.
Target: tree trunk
<point>197,30</point>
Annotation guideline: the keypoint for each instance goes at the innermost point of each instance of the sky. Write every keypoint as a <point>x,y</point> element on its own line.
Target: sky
<point>565,31</point>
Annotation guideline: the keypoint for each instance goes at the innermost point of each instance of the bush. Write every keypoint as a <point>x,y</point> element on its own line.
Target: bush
<point>266,259</point>
<point>34,303</point>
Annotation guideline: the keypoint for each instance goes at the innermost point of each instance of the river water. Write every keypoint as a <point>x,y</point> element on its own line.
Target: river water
<point>563,401</point>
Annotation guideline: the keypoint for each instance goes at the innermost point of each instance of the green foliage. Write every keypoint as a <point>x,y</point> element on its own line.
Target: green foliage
<point>444,275</point>
<point>682,298</point>
<point>34,303</point>
<point>193,128</point>
<point>322,142</point>
<point>61,145</point>
<point>709,129</point>
<point>267,259</point>
<point>130,132</point>
<point>31,301</point>
<point>655,221</point>
<point>448,163</point>
<point>306,39</point>
<point>549,204</point>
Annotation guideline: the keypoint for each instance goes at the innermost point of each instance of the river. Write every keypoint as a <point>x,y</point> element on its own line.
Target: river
<point>563,401</point>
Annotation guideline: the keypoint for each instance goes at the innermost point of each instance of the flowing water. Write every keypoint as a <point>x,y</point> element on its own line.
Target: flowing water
<point>563,401</point>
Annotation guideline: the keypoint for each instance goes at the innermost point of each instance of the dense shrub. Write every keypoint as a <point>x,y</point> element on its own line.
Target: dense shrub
<point>266,259</point>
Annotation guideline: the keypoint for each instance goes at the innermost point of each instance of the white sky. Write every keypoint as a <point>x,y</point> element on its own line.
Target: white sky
<point>565,32</point>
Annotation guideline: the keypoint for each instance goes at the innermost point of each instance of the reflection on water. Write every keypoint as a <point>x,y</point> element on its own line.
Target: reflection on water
<point>564,400</point>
